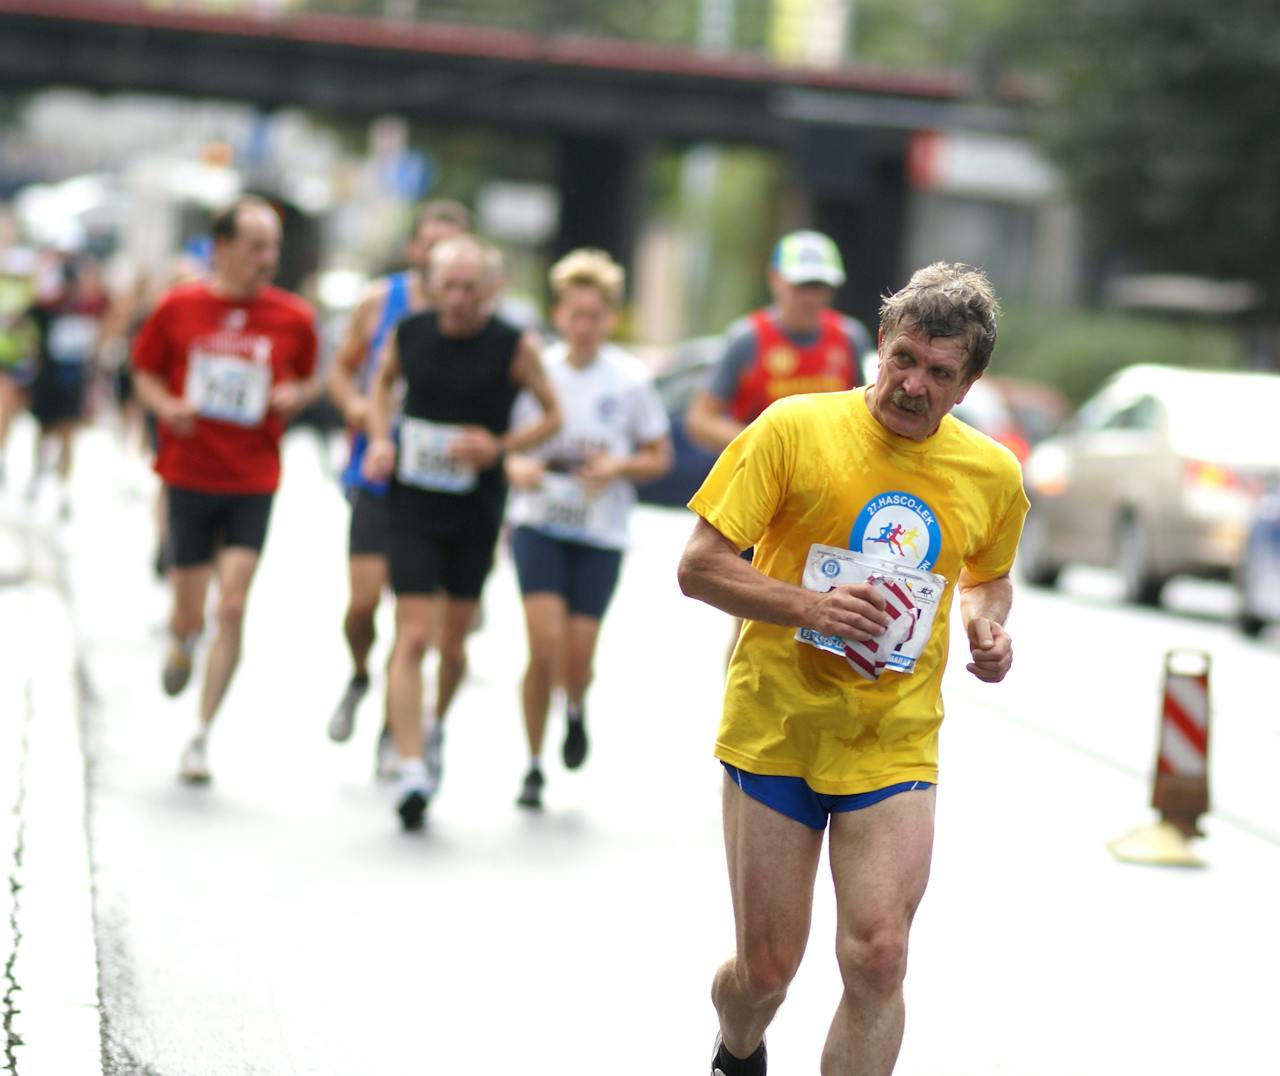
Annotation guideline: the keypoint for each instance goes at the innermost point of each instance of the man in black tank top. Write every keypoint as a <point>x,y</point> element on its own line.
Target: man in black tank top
<point>462,369</point>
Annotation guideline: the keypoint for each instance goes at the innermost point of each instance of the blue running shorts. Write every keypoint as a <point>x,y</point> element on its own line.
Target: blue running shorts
<point>795,799</point>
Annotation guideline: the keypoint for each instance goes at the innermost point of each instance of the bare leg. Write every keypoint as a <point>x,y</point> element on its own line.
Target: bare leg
<point>190,588</point>
<point>368,576</point>
<point>880,859</point>
<point>545,618</point>
<point>235,568</point>
<point>417,631</point>
<point>772,862</point>
<point>579,666</point>
<point>459,613</point>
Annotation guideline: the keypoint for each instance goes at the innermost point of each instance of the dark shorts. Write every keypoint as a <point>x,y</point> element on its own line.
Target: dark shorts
<point>422,562</point>
<point>370,533</point>
<point>58,393</point>
<point>202,523</point>
<point>584,575</point>
<point>795,799</point>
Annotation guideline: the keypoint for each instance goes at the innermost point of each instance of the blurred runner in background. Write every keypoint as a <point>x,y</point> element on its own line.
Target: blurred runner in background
<point>69,323</point>
<point>571,497</point>
<point>19,338</point>
<point>223,364</point>
<point>463,368</point>
<point>386,302</point>
<point>799,344</point>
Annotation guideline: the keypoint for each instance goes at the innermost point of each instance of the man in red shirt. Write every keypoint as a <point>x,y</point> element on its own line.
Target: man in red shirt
<point>224,364</point>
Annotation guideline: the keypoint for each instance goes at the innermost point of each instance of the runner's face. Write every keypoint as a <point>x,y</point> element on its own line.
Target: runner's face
<point>800,306</point>
<point>430,232</point>
<point>461,290</point>
<point>584,319</point>
<point>248,261</point>
<point>920,380</point>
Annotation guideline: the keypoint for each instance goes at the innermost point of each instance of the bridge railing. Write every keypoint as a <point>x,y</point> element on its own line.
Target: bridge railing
<point>790,32</point>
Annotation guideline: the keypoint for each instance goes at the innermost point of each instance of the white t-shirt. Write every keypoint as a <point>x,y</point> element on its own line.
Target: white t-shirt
<point>610,406</point>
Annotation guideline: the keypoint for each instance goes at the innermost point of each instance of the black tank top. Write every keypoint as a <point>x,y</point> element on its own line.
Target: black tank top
<point>465,381</point>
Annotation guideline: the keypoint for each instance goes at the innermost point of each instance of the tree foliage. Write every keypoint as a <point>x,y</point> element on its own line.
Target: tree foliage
<point>1161,114</point>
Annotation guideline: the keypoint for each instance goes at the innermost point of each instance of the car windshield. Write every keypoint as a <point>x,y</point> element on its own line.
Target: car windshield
<point>1229,419</point>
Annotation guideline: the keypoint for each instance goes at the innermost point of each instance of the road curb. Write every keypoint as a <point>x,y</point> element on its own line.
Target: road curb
<point>52,1011</point>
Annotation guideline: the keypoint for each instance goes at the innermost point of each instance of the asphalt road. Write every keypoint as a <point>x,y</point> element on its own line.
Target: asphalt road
<point>278,922</point>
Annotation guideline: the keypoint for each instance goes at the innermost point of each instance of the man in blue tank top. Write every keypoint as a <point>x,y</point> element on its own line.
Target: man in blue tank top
<point>386,302</point>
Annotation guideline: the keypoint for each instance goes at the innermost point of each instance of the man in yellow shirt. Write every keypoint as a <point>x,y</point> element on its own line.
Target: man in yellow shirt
<point>868,510</point>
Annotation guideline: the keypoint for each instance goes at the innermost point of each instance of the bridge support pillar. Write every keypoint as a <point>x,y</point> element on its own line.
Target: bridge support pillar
<point>602,182</point>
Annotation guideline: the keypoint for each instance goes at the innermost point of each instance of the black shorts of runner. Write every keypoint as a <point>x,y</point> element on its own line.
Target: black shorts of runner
<point>58,394</point>
<point>584,575</point>
<point>370,533</point>
<point>427,562</point>
<point>202,523</point>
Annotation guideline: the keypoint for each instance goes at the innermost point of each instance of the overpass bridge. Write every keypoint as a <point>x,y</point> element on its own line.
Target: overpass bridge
<point>603,103</point>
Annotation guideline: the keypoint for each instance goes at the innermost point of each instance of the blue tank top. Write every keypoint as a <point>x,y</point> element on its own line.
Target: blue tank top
<point>394,307</point>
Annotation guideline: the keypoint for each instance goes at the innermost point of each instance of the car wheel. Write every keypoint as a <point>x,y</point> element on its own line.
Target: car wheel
<point>1140,584</point>
<point>1249,622</point>
<point>1033,556</point>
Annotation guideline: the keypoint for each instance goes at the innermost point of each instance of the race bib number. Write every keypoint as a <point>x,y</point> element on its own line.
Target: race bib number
<point>912,596</point>
<point>425,460</point>
<point>561,505</point>
<point>228,388</point>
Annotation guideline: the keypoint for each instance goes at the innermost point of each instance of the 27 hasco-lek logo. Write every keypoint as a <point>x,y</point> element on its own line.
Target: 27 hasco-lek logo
<point>898,526</point>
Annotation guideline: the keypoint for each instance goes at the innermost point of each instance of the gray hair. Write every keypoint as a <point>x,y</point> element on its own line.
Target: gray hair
<point>468,246</point>
<point>947,299</point>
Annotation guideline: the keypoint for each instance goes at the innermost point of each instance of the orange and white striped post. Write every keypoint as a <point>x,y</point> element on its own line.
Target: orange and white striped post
<point>1180,789</point>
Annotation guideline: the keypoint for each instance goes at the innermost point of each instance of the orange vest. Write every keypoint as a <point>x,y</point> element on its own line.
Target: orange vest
<point>783,369</point>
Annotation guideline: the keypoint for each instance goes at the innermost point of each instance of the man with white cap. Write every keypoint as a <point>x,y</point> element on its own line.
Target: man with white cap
<point>799,344</point>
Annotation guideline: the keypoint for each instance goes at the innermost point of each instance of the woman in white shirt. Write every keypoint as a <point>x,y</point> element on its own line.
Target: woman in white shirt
<point>570,497</point>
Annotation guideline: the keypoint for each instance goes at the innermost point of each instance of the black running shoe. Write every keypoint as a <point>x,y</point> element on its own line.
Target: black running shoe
<point>412,809</point>
<point>531,791</point>
<point>757,1064</point>
<point>574,750</point>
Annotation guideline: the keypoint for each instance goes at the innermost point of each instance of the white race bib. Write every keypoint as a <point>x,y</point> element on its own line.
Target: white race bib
<point>561,505</point>
<point>829,566</point>
<point>425,461</point>
<point>228,388</point>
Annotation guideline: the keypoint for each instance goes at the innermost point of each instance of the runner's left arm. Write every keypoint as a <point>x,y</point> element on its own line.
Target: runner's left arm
<point>380,457</point>
<point>529,373</point>
<point>984,608</point>
<point>292,396</point>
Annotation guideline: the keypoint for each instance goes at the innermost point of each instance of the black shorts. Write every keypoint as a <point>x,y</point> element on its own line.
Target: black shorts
<point>584,575</point>
<point>370,533</point>
<point>424,562</point>
<point>202,523</point>
<point>58,393</point>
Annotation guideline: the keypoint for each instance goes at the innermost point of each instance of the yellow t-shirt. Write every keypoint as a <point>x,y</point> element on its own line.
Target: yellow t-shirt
<point>821,468</point>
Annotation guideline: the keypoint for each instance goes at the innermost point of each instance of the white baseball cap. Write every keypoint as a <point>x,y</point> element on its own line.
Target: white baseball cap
<point>807,257</point>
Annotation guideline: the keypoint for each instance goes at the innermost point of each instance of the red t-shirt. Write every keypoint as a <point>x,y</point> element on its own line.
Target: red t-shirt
<point>224,355</point>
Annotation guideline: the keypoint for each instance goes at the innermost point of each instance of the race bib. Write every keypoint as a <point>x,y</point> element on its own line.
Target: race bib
<point>228,388</point>
<point>561,505</point>
<point>425,461</point>
<point>912,598</point>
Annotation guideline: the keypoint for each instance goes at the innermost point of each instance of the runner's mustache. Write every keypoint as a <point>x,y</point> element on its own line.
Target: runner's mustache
<point>914,404</point>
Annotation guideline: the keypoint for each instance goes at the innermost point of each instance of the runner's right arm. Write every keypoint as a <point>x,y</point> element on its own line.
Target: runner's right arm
<point>380,457</point>
<point>708,422</point>
<point>349,359</point>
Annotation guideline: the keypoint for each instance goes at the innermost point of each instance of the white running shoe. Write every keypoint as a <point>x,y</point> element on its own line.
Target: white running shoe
<point>433,754</point>
<point>387,758</point>
<point>343,721</point>
<point>193,768</point>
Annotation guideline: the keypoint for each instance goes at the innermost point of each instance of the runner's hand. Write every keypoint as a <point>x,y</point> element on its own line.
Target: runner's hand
<point>992,650</point>
<point>179,416</point>
<point>355,412</point>
<point>597,472</point>
<point>286,399</point>
<point>851,610</point>
<point>379,459</point>
<point>476,447</point>
<point>524,472</point>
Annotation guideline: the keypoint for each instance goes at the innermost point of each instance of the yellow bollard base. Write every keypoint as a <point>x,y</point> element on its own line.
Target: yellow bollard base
<point>1161,844</point>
